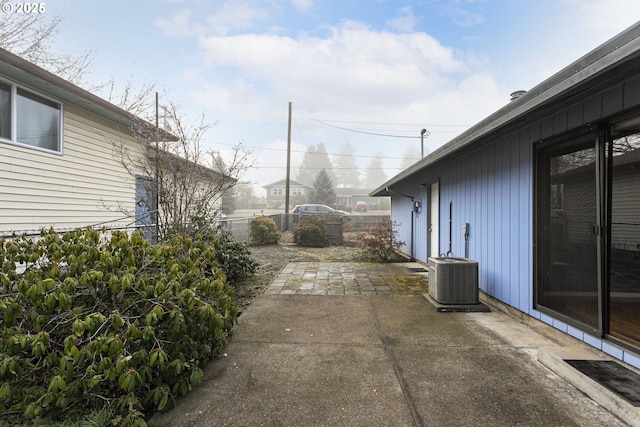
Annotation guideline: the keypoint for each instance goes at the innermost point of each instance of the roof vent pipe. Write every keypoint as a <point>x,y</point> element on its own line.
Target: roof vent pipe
<point>517,94</point>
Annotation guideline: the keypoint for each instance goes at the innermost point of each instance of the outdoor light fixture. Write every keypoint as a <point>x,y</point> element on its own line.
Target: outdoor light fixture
<point>422,132</point>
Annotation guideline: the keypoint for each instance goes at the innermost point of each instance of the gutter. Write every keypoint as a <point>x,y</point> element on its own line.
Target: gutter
<point>619,49</point>
<point>30,75</point>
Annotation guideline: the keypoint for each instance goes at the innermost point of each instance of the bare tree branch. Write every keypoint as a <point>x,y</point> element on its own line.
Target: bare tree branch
<point>191,179</point>
<point>32,37</point>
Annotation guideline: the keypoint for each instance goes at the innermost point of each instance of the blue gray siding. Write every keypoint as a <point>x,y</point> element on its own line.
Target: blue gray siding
<point>401,215</point>
<point>489,188</point>
<point>490,185</point>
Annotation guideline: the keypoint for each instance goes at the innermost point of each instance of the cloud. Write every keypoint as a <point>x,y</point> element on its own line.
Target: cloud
<point>177,25</point>
<point>233,16</point>
<point>405,22</point>
<point>352,67</point>
<point>463,16</point>
<point>352,74</point>
<point>302,5</point>
<point>604,16</point>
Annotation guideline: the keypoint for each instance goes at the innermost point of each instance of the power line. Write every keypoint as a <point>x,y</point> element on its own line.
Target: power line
<point>416,125</point>
<point>360,131</point>
<point>316,152</point>
<point>379,132</point>
<point>331,168</point>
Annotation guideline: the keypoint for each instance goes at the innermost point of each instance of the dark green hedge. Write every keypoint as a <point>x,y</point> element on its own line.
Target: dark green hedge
<point>264,231</point>
<point>310,232</point>
<point>92,319</point>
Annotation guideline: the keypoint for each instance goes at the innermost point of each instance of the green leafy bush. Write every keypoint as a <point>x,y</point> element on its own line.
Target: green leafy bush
<point>310,232</point>
<point>264,231</point>
<point>234,258</point>
<point>93,320</point>
<point>380,241</point>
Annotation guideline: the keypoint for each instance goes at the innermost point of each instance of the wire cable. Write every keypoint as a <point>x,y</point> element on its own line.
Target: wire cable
<point>427,133</point>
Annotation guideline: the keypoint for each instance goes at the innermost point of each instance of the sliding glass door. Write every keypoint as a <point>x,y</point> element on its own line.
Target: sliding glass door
<point>567,238</point>
<point>588,231</point>
<point>624,275</point>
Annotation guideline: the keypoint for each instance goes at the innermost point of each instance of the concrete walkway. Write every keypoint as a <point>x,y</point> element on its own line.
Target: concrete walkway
<point>344,344</point>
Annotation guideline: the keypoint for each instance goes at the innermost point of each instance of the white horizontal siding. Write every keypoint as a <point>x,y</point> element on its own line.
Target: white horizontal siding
<point>86,185</point>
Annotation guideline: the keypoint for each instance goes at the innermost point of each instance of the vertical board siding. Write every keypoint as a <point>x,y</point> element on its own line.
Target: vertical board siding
<point>524,265</point>
<point>490,189</point>
<point>86,185</point>
<point>401,214</point>
<point>420,224</point>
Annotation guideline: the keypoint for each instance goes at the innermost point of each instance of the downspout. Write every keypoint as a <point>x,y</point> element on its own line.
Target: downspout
<point>388,190</point>
<point>449,252</point>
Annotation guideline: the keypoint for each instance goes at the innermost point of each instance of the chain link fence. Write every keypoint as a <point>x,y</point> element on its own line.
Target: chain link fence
<point>240,228</point>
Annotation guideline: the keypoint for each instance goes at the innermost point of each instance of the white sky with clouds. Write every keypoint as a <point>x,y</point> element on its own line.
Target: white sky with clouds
<point>380,66</point>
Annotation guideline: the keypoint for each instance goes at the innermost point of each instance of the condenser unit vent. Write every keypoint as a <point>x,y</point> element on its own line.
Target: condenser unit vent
<point>453,280</point>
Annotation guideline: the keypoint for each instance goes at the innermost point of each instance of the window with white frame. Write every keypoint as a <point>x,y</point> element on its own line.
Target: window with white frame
<point>5,111</point>
<point>27,118</point>
<point>297,191</point>
<point>276,192</point>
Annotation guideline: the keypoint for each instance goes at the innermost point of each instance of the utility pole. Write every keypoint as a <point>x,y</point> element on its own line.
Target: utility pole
<point>156,198</point>
<point>286,189</point>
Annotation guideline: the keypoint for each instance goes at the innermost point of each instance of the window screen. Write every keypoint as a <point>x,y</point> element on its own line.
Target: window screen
<point>38,121</point>
<point>5,111</point>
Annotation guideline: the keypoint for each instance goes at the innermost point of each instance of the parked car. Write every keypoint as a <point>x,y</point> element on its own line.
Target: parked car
<point>361,207</point>
<point>317,210</point>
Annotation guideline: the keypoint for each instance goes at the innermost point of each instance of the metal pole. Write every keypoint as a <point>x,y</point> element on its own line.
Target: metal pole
<point>286,190</point>
<point>157,197</point>
<point>422,132</point>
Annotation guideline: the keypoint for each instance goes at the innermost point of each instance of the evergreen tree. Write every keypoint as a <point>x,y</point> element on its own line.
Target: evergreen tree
<point>375,174</point>
<point>315,159</point>
<point>228,201</point>
<point>245,196</point>
<point>347,173</point>
<point>322,191</point>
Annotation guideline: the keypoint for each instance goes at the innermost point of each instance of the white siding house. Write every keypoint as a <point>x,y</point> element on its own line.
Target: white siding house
<point>276,192</point>
<point>57,162</point>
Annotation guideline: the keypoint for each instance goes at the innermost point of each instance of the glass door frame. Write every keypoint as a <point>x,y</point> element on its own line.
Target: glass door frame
<point>603,143</point>
<point>594,138</point>
<point>626,125</point>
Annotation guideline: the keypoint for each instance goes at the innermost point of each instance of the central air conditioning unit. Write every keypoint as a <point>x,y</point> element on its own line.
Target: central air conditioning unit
<point>453,280</point>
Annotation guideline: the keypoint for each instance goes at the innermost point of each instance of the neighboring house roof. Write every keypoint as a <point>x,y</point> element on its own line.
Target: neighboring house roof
<point>168,159</point>
<point>27,73</point>
<point>284,182</point>
<point>561,86</point>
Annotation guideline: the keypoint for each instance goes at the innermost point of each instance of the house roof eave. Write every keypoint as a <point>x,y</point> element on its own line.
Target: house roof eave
<point>621,48</point>
<point>35,77</point>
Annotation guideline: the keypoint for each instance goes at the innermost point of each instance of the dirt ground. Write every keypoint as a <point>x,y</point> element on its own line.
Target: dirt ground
<point>272,258</point>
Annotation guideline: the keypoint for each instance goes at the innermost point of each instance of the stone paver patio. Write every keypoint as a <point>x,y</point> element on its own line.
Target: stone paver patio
<point>348,278</point>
